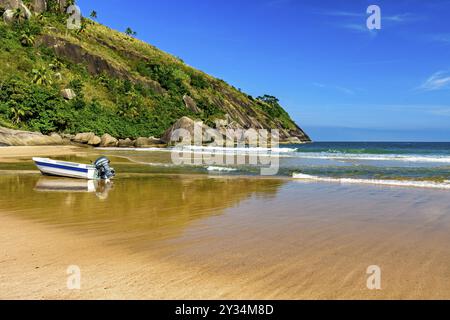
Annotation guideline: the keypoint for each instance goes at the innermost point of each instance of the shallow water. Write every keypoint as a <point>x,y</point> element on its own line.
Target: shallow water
<point>413,162</point>
<point>271,238</point>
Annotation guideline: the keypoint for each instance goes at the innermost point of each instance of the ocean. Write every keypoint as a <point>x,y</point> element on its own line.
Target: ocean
<point>414,164</point>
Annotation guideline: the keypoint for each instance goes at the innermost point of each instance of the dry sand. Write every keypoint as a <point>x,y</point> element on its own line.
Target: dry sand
<point>11,154</point>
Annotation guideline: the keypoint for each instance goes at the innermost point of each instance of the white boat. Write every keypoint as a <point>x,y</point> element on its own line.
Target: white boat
<point>100,170</point>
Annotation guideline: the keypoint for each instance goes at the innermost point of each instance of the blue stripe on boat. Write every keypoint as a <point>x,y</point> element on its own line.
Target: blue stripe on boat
<point>57,166</point>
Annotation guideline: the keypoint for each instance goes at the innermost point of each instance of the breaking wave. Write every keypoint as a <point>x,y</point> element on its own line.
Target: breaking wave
<point>393,183</point>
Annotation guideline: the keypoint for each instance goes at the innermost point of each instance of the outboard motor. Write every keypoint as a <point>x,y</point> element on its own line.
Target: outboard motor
<point>105,172</point>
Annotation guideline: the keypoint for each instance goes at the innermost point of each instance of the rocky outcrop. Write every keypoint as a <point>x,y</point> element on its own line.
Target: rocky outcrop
<point>187,125</point>
<point>126,143</point>
<point>76,53</point>
<point>9,137</point>
<point>95,64</point>
<point>84,137</point>
<point>108,141</point>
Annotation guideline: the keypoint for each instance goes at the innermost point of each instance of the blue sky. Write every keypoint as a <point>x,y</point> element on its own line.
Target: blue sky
<point>337,79</point>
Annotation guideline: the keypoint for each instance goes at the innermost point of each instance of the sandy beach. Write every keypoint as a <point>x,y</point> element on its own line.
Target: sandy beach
<point>12,154</point>
<point>219,237</point>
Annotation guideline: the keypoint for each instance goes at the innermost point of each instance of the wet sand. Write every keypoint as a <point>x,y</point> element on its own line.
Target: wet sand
<point>187,237</point>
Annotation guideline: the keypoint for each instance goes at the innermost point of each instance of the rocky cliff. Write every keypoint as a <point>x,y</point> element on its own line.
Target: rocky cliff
<point>111,83</point>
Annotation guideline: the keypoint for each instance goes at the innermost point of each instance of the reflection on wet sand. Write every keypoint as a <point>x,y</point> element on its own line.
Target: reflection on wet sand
<point>100,187</point>
<point>153,207</point>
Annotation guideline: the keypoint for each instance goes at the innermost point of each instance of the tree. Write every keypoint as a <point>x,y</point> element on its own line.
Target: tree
<point>130,32</point>
<point>94,14</point>
<point>271,100</point>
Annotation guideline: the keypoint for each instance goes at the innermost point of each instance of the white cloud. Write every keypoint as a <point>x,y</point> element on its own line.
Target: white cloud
<point>438,81</point>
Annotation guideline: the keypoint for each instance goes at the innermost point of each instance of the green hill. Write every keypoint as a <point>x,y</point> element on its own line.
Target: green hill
<point>123,86</point>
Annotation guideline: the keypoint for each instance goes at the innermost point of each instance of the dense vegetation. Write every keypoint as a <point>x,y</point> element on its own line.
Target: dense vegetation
<point>142,101</point>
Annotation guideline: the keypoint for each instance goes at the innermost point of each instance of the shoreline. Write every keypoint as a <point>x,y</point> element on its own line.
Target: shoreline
<point>16,160</point>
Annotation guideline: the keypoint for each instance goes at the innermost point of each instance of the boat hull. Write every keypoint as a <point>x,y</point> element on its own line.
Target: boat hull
<point>65,169</point>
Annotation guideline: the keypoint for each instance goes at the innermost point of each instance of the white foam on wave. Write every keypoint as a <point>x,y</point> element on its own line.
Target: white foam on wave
<point>134,149</point>
<point>238,149</point>
<point>212,150</point>
<point>371,157</point>
<point>220,169</point>
<point>393,183</point>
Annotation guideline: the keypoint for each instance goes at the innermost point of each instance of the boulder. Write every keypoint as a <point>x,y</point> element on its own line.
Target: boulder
<point>9,137</point>
<point>84,137</point>
<point>172,135</point>
<point>8,16</point>
<point>68,94</point>
<point>126,143</point>
<point>148,142</point>
<point>94,141</point>
<point>108,141</point>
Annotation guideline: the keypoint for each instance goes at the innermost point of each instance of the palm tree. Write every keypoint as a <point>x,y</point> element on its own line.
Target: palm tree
<point>27,39</point>
<point>18,15</point>
<point>41,77</point>
<point>17,114</point>
<point>94,15</point>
